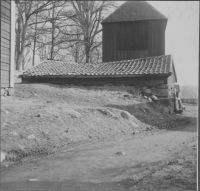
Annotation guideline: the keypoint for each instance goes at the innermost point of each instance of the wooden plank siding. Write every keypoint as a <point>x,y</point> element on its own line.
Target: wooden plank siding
<point>5,66</point>
<point>5,4</point>
<point>8,1</point>
<point>5,42</point>
<point>5,27</point>
<point>5,51</point>
<point>6,20</point>
<point>5,58</point>
<point>108,40</point>
<point>5,11</point>
<point>4,83</point>
<point>154,46</point>
<point>5,34</point>
<point>4,73</point>
<point>158,38</point>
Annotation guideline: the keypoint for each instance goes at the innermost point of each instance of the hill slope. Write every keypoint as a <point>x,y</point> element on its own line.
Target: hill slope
<point>40,118</point>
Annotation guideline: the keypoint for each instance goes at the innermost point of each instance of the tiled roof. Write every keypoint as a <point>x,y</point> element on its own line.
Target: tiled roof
<point>134,11</point>
<point>159,65</point>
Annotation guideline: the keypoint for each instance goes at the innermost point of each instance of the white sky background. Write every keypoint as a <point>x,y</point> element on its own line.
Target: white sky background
<point>181,37</point>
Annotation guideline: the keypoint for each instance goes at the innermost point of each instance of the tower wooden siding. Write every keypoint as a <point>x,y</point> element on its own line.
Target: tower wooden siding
<point>155,37</point>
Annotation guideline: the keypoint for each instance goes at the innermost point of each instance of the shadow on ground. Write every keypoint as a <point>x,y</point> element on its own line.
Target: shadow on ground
<point>157,114</point>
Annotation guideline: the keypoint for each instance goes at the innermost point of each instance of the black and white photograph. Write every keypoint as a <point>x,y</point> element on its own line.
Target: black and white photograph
<point>99,95</point>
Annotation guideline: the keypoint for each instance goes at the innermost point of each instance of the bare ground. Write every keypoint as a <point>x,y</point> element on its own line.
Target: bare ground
<point>91,125</point>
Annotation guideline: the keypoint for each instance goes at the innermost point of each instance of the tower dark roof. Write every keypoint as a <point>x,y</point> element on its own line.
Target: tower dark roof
<point>134,11</point>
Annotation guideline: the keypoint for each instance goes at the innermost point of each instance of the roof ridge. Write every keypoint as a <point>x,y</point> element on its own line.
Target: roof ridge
<point>135,59</point>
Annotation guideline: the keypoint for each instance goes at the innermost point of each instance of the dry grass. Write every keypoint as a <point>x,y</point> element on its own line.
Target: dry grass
<point>70,114</point>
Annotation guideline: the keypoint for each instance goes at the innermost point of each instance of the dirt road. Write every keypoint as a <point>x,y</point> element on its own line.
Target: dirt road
<point>105,166</point>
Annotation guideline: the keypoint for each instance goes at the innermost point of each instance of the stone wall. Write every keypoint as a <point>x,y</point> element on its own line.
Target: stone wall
<point>171,84</point>
<point>7,91</point>
<point>157,85</point>
<point>157,90</point>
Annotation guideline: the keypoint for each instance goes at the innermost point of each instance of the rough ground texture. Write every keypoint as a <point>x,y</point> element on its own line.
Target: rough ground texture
<point>40,118</point>
<point>91,125</point>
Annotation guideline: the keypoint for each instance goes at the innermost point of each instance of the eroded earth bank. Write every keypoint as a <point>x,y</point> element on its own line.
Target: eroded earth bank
<point>95,138</point>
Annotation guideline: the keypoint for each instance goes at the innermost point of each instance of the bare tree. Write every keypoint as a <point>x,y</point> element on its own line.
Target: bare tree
<point>60,28</point>
<point>52,20</point>
<point>25,11</point>
<point>35,38</point>
<point>87,15</point>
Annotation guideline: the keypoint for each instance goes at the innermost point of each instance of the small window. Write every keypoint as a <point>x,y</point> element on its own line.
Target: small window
<point>133,36</point>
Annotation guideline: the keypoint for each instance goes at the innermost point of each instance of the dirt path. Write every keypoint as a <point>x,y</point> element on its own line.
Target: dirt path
<point>98,167</point>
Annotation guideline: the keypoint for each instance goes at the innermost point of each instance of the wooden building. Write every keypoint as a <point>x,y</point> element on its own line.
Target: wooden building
<point>133,54</point>
<point>134,30</point>
<point>7,46</point>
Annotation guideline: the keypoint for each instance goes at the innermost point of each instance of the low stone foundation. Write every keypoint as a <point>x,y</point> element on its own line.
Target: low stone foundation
<point>157,85</point>
<point>7,91</point>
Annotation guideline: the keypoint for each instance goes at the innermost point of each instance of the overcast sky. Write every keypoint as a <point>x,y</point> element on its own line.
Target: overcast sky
<point>181,37</point>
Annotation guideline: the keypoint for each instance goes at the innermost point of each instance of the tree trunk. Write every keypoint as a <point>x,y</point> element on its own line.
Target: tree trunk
<point>87,53</point>
<point>76,54</point>
<point>52,43</point>
<point>35,38</point>
<point>19,61</point>
<point>52,35</point>
<point>23,46</point>
<point>20,47</point>
<point>18,43</point>
<point>34,46</point>
<point>77,50</point>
